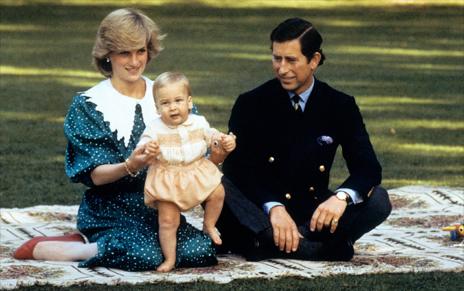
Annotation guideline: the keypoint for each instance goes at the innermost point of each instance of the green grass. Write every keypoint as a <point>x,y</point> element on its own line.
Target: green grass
<point>404,64</point>
<point>398,282</point>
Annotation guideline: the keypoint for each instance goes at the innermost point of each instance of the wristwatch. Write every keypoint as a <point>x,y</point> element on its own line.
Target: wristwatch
<point>343,196</point>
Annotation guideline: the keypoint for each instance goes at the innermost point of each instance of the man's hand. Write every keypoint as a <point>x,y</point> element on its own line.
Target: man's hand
<point>286,235</point>
<point>218,154</point>
<point>327,214</point>
<point>228,142</point>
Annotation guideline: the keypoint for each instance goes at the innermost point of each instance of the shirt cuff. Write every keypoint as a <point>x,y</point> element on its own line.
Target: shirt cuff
<point>268,206</point>
<point>354,195</point>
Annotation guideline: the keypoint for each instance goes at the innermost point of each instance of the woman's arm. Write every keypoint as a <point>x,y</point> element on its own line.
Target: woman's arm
<point>109,173</point>
<point>139,159</point>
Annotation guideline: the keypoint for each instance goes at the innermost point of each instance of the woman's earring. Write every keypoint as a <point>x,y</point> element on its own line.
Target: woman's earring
<point>107,60</point>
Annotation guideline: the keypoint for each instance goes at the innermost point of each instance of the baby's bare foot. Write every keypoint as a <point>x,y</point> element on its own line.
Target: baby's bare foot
<point>165,267</point>
<point>214,235</point>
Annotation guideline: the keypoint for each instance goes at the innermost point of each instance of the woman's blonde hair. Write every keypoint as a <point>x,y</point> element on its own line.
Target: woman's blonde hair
<point>124,30</point>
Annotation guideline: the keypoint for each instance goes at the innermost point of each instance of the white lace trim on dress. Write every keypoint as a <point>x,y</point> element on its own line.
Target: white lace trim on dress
<point>119,110</point>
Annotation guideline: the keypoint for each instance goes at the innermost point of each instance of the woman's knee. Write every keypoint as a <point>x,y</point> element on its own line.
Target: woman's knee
<point>131,255</point>
<point>194,248</point>
<point>197,255</point>
<point>149,259</point>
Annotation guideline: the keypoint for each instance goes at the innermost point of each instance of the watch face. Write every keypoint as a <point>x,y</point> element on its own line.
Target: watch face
<point>342,196</point>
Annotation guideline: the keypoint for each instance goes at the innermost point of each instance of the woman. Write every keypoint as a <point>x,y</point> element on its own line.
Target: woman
<point>103,126</point>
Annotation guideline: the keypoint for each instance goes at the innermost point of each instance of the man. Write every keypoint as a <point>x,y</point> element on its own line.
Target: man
<point>288,130</point>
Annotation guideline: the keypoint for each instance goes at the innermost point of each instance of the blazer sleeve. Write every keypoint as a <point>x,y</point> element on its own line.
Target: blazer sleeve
<point>364,169</point>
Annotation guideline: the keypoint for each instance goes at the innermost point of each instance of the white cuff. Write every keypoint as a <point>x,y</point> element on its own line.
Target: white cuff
<point>354,195</point>
<point>268,206</point>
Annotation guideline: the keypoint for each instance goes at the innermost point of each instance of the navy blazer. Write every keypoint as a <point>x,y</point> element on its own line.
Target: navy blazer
<point>286,157</point>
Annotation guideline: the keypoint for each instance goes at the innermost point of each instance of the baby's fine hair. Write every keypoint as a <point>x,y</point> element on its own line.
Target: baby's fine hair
<point>168,78</point>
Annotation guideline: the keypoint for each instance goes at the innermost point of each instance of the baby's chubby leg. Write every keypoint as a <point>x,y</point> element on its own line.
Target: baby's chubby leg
<point>169,220</point>
<point>213,207</point>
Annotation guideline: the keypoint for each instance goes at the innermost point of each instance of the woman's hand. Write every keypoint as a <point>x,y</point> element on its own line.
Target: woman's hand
<point>143,156</point>
<point>139,159</point>
<point>152,149</point>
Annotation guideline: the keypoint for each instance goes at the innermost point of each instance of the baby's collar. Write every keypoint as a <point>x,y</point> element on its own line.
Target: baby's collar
<point>186,123</point>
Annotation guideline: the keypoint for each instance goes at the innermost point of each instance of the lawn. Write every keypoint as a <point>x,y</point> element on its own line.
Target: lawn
<point>404,64</point>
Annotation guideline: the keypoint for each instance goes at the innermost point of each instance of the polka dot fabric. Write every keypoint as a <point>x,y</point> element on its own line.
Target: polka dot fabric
<point>114,215</point>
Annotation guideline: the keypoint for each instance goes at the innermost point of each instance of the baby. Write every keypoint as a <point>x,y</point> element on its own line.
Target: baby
<point>182,177</point>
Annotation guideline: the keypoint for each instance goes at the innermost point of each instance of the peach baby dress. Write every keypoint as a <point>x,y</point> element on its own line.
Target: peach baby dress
<point>182,174</point>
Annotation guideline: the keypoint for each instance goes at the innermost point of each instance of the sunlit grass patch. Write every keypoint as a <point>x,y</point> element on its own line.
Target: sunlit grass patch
<point>246,3</point>
<point>432,148</point>
<point>392,51</point>
<point>60,72</point>
<point>399,100</point>
<point>21,27</point>
<point>212,101</point>
<point>418,124</point>
<point>30,116</point>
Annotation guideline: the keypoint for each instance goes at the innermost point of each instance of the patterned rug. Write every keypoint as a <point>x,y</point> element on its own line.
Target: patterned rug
<point>411,240</point>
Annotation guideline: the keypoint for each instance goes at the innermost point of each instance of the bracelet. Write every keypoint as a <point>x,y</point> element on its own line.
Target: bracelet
<point>128,170</point>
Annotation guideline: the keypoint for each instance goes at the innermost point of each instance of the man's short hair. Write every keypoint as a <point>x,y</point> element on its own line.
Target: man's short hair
<point>297,28</point>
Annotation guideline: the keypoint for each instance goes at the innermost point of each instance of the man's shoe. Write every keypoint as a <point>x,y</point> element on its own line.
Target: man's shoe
<point>262,247</point>
<point>307,250</point>
<point>332,250</point>
<point>340,251</point>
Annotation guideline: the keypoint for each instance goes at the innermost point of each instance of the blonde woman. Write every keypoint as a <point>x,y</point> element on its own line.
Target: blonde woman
<point>103,127</point>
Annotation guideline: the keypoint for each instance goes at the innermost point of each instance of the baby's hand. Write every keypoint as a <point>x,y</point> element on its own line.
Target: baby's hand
<point>152,149</point>
<point>228,142</point>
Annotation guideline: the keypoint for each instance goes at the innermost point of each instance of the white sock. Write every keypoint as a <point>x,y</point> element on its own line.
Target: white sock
<point>64,251</point>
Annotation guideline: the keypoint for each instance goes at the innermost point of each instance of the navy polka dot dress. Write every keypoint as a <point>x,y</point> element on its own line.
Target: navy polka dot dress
<point>114,215</point>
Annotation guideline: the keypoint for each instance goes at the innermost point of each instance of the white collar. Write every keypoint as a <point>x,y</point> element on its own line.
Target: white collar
<point>188,122</point>
<point>304,95</point>
<point>119,110</point>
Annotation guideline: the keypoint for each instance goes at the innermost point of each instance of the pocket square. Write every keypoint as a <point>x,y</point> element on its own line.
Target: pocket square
<point>324,140</point>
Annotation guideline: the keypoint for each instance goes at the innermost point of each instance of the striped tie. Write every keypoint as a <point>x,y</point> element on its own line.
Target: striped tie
<point>296,103</point>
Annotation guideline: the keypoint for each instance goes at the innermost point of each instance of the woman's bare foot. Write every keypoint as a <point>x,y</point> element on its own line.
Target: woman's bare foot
<point>166,266</point>
<point>213,234</point>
